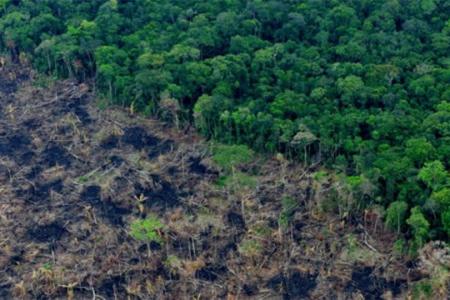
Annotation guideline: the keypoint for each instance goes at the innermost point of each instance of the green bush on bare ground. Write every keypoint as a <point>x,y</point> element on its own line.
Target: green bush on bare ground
<point>147,230</point>
<point>229,156</point>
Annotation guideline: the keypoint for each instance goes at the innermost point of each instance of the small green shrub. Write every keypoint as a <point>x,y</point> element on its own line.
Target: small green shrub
<point>399,248</point>
<point>320,175</point>
<point>82,179</point>
<point>422,290</point>
<point>229,156</point>
<point>147,230</point>
<point>173,263</point>
<point>102,103</point>
<point>250,248</point>
<point>262,231</point>
<point>237,180</point>
<point>445,217</point>
<point>289,205</point>
<point>43,81</point>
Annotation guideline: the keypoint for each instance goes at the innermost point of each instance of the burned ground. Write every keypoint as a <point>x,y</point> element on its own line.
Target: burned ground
<point>71,177</point>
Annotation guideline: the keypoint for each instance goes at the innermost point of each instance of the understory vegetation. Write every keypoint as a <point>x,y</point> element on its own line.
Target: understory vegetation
<point>361,87</point>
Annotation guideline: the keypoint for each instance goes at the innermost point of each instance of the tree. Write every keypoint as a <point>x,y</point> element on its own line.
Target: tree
<point>194,77</point>
<point>293,28</point>
<point>206,112</point>
<point>109,22</point>
<point>227,24</point>
<point>45,24</point>
<point>16,32</point>
<point>419,150</point>
<point>424,87</point>
<point>438,123</point>
<point>288,105</point>
<point>351,89</point>
<point>419,226</point>
<point>442,197</point>
<point>303,140</point>
<point>445,218</point>
<point>433,174</point>
<point>111,63</point>
<point>183,53</point>
<point>47,49</point>
<point>4,4</point>
<point>150,84</point>
<point>395,215</point>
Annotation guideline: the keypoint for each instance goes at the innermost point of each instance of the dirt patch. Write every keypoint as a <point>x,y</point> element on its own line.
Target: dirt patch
<point>40,192</point>
<point>299,285</point>
<point>139,138</point>
<point>250,289</point>
<point>5,290</point>
<point>113,213</point>
<point>161,149</point>
<point>11,144</point>
<point>295,286</point>
<point>92,195</point>
<point>32,124</point>
<point>46,233</point>
<point>7,86</point>
<point>236,220</point>
<point>82,114</point>
<point>112,287</point>
<point>371,286</point>
<point>116,160</point>
<point>55,154</point>
<point>211,272</point>
<point>110,142</point>
<point>34,172</point>
<point>228,248</point>
<point>159,194</point>
<point>197,167</point>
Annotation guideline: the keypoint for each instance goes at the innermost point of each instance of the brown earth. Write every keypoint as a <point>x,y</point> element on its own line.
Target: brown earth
<point>71,177</point>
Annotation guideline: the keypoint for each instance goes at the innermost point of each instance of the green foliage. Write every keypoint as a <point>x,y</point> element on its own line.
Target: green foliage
<point>237,180</point>
<point>442,197</point>
<point>419,226</point>
<point>173,263</point>
<point>419,150</point>
<point>47,266</point>
<point>229,156</point>
<point>395,215</point>
<point>288,208</point>
<point>399,247</point>
<point>423,290</point>
<point>147,230</point>
<point>320,175</point>
<point>4,4</point>
<point>433,174</point>
<point>354,252</point>
<point>445,218</point>
<point>250,248</point>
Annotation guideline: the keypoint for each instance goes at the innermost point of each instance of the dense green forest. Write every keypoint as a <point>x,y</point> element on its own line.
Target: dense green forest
<point>361,87</point>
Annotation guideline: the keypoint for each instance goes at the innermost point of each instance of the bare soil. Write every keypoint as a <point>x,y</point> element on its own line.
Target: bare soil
<point>70,179</point>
